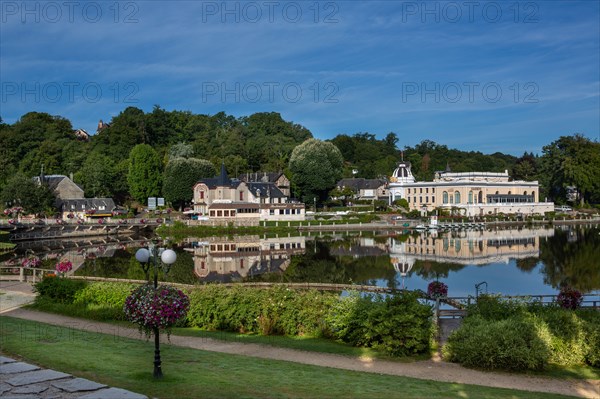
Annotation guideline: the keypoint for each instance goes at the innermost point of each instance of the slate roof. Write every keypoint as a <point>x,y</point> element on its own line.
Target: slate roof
<point>266,190</point>
<point>52,180</point>
<point>90,203</point>
<point>222,180</point>
<point>262,177</point>
<point>361,183</point>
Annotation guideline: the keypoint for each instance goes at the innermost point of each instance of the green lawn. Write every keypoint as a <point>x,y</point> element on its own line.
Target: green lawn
<point>301,343</point>
<point>127,363</point>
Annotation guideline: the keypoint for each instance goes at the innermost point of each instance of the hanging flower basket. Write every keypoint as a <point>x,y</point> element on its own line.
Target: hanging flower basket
<point>64,267</point>
<point>569,298</point>
<point>160,308</point>
<point>437,289</point>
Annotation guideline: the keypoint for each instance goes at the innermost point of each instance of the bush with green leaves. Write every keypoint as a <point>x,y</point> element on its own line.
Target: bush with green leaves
<point>398,325</point>
<point>570,337</point>
<point>278,310</point>
<point>494,307</point>
<point>59,289</point>
<point>516,343</point>
<point>104,299</point>
<point>104,293</point>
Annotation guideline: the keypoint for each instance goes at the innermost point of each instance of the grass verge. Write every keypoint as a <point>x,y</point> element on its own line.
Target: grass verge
<point>309,344</point>
<point>127,363</point>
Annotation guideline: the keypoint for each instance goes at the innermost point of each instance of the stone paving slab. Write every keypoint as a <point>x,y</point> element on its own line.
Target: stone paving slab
<point>19,380</point>
<point>4,360</point>
<point>34,388</point>
<point>4,388</point>
<point>78,385</point>
<point>113,393</point>
<point>17,367</point>
<point>33,377</point>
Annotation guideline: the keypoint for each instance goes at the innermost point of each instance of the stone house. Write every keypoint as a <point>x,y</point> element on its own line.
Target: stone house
<point>225,199</point>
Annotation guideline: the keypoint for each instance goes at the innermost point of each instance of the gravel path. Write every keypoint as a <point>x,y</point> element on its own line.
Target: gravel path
<point>434,369</point>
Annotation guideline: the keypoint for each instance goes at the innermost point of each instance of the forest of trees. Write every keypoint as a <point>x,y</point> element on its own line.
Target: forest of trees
<point>140,154</point>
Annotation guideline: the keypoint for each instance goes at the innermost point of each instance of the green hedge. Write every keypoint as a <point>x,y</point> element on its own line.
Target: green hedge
<point>398,325</point>
<point>59,289</point>
<point>516,343</point>
<point>277,310</point>
<point>524,335</point>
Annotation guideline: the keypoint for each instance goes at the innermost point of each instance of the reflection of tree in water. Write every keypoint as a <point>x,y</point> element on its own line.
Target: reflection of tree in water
<point>317,265</point>
<point>124,265</point>
<point>116,266</point>
<point>572,258</point>
<point>527,264</point>
<point>432,270</point>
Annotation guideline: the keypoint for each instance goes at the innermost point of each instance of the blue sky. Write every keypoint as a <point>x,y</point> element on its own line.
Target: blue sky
<point>508,76</point>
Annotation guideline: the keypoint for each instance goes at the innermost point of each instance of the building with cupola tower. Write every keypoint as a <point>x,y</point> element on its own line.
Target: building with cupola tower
<point>468,193</point>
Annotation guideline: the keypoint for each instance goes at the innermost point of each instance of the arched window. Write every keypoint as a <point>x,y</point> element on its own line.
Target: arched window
<point>470,197</point>
<point>445,197</point>
<point>456,197</point>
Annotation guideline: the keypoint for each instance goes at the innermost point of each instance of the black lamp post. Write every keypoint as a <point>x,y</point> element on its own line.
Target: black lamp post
<point>167,257</point>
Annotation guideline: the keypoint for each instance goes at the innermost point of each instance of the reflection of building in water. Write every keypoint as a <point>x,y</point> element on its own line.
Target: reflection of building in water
<point>223,259</point>
<point>468,247</point>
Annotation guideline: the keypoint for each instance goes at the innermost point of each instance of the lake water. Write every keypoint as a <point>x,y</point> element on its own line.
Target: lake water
<point>517,261</point>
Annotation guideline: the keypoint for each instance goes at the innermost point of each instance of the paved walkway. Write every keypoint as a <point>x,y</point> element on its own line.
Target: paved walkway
<point>14,294</point>
<point>24,380</point>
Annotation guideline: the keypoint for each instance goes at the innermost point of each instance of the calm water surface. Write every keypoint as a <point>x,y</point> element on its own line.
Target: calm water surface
<point>510,261</point>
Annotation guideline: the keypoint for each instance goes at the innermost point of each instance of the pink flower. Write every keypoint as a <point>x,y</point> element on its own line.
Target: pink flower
<point>160,308</point>
<point>64,267</point>
<point>32,261</point>
<point>569,298</point>
<point>437,289</point>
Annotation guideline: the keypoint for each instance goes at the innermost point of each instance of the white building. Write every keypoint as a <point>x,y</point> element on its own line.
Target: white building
<point>470,193</point>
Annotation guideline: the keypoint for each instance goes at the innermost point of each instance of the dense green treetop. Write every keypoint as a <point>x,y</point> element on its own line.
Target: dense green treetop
<point>181,174</point>
<point>145,173</point>
<point>262,142</point>
<point>316,166</point>
<point>572,161</point>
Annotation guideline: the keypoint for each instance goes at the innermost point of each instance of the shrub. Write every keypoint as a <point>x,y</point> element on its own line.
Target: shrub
<point>59,289</point>
<point>493,307</point>
<point>568,341</point>
<point>401,327</point>
<point>514,344</point>
<point>398,325</point>
<point>348,316</point>
<point>278,310</point>
<point>104,300</point>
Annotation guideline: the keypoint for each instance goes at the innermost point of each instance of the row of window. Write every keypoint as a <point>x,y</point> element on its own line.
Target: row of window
<point>421,190</point>
<point>273,212</point>
<point>230,213</point>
